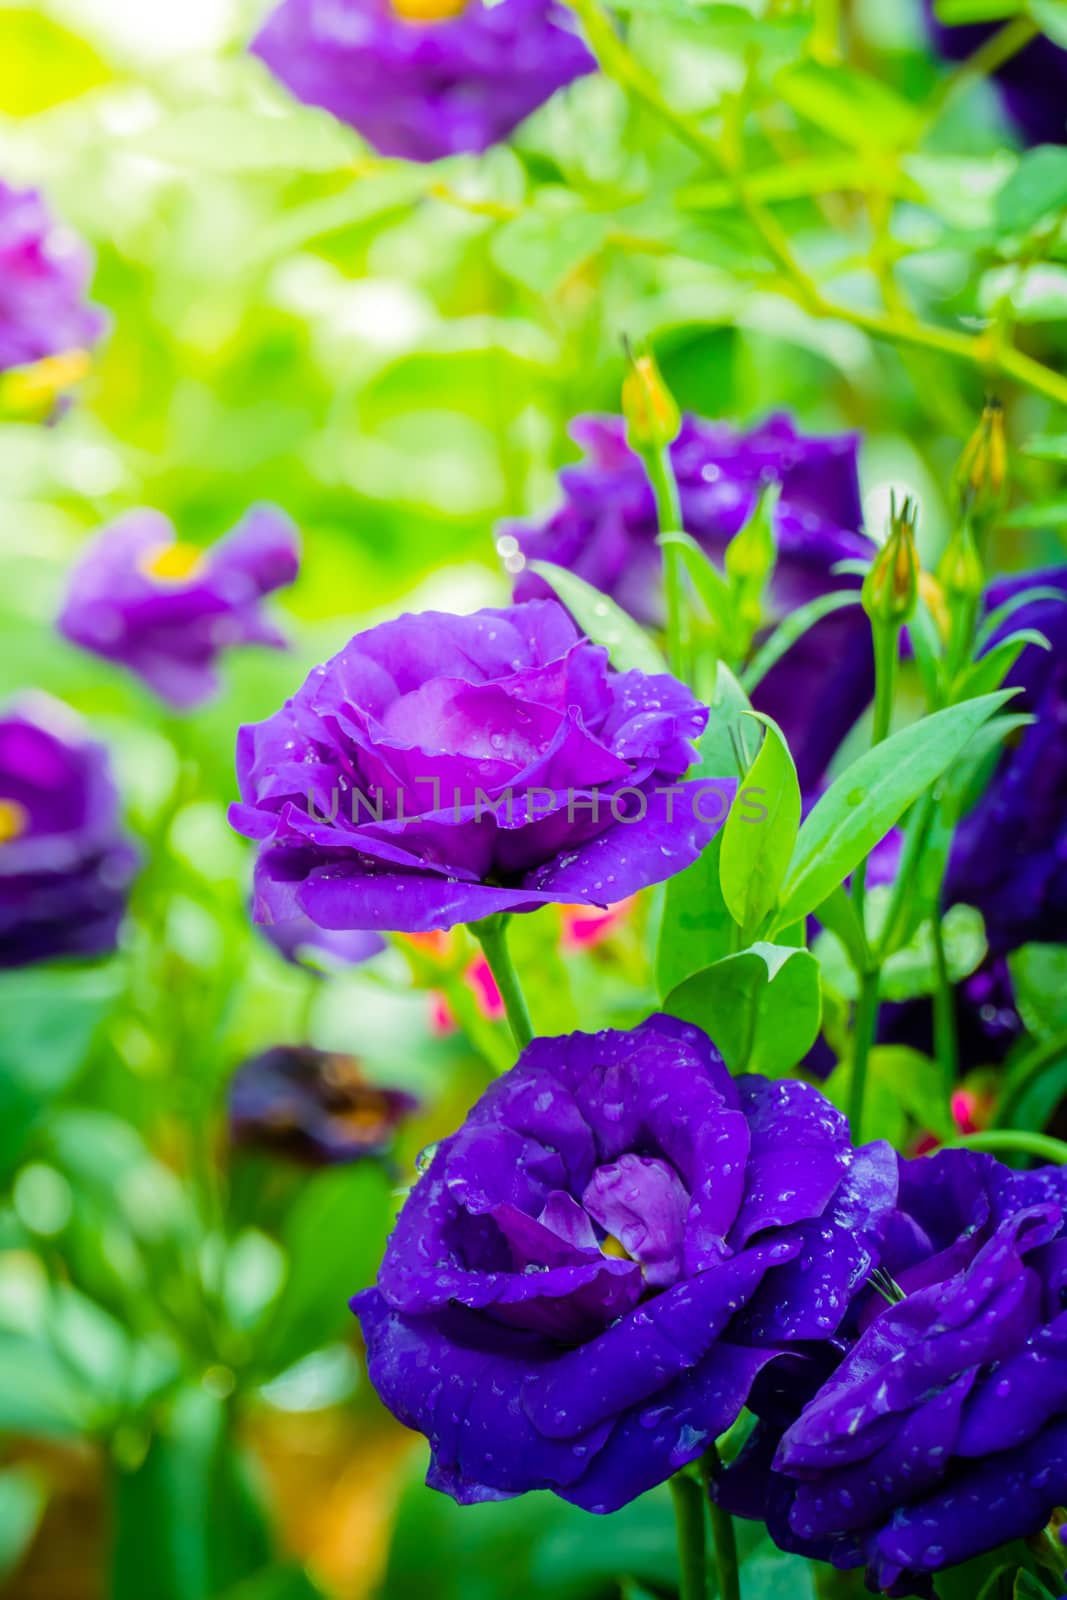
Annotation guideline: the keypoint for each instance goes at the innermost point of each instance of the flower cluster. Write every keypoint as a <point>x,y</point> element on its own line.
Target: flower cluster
<point>443,769</point>
<point>606,529</point>
<point>65,865</point>
<point>583,1287</point>
<point>424,79</point>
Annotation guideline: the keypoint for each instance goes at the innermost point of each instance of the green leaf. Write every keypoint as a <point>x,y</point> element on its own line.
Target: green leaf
<point>626,642</point>
<point>1039,594</point>
<point>708,581</point>
<point>334,1237</point>
<point>696,929</point>
<point>988,673</point>
<point>28,41</point>
<point>1044,514</point>
<point>228,139</point>
<point>872,795</point>
<point>723,747</point>
<point>276,1583</point>
<point>770,1574</point>
<point>1039,976</point>
<point>22,1503</point>
<point>785,636</point>
<point>911,971</point>
<point>760,832</point>
<point>761,1007</point>
<point>1035,294</point>
<point>1051,18</point>
<point>860,110</point>
<point>539,249</point>
<point>958,12</point>
<point>1037,187</point>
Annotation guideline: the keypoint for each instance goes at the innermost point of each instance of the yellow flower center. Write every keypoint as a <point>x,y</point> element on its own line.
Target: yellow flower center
<point>14,820</point>
<point>428,10</point>
<point>171,562</point>
<point>610,1246</point>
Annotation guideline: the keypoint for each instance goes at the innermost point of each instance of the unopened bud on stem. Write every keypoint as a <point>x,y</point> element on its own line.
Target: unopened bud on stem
<point>982,472</point>
<point>653,420</point>
<point>891,587</point>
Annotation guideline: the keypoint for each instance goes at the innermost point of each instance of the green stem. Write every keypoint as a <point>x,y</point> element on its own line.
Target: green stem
<point>1030,1069</point>
<point>886,637</point>
<point>866,1021</point>
<point>689,1522</point>
<point>669,518</point>
<point>946,1046</point>
<point>492,935</point>
<point>1041,1145</point>
<point>724,1538</point>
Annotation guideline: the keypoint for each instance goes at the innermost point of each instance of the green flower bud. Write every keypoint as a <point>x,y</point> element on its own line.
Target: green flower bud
<point>982,472</point>
<point>960,571</point>
<point>891,587</point>
<point>653,420</point>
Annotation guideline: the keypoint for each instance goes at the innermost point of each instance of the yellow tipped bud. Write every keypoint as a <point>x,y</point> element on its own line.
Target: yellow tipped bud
<point>983,467</point>
<point>891,587</point>
<point>653,420</point>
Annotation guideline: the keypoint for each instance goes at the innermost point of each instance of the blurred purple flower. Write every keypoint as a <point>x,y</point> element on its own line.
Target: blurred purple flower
<point>1009,855</point>
<point>1032,82</point>
<point>441,769</point>
<point>44,280</point>
<point>943,1431</point>
<point>166,610</point>
<point>422,80</point>
<point>300,941</point>
<point>65,865</point>
<point>315,1106</point>
<point>581,1290</point>
<point>605,531</point>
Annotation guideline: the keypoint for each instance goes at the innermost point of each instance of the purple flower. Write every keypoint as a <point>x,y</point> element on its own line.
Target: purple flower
<point>582,1288</point>
<point>441,769</point>
<point>1032,82</point>
<point>313,1105</point>
<point>1009,855</point>
<point>300,942</point>
<point>167,611</point>
<point>422,79</point>
<point>44,278</point>
<point>605,531</point>
<point>943,1431</point>
<point>65,865</point>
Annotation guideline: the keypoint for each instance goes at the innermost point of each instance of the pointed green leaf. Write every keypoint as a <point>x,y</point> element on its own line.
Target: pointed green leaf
<point>871,796</point>
<point>760,832</point>
<point>626,642</point>
<point>761,1007</point>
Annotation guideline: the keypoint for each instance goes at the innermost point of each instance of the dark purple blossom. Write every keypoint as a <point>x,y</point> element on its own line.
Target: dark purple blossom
<point>581,1290</point>
<point>44,280</point>
<point>1009,855</point>
<point>168,611</point>
<point>422,79</point>
<point>441,769</point>
<point>315,1106</point>
<point>942,1433</point>
<point>605,531</point>
<point>1032,82</point>
<point>65,865</point>
<point>301,941</point>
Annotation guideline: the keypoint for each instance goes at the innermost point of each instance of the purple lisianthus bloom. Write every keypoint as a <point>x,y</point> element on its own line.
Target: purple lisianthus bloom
<point>942,1433</point>
<point>605,531</point>
<point>582,1288</point>
<point>44,279</point>
<point>65,865</point>
<point>168,611</point>
<point>441,769</point>
<point>1032,82</point>
<point>300,941</point>
<point>315,1106</point>
<point>422,79</point>
<point>1009,854</point>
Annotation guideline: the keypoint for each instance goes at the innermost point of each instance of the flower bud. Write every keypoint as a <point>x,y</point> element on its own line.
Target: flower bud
<point>750,555</point>
<point>653,420</point>
<point>891,587</point>
<point>960,571</point>
<point>983,467</point>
